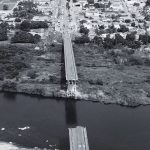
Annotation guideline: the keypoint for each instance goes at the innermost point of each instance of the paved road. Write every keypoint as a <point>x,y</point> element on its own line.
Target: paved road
<point>70,66</point>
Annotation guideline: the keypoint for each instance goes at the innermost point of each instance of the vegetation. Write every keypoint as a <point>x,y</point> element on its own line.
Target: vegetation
<point>84,30</point>
<point>12,60</point>
<point>3,31</point>
<point>5,7</point>
<point>26,9</point>
<point>81,40</point>
<point>26,25</point>
<point>25,37</point>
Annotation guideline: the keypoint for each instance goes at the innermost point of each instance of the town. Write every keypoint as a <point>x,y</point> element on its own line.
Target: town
<point>109,42</point>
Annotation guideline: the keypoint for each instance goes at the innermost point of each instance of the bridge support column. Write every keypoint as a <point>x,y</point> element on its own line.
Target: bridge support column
<point>71,88</point>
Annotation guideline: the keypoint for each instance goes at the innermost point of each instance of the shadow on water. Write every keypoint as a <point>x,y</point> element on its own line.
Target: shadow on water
<point>63,80</point>
<point>10,96</point>
<point>70,113</point>
<point>71,121</point>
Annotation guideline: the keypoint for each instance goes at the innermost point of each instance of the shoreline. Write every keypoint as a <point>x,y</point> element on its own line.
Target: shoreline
<point>101,78</point>
<point>58,93</point>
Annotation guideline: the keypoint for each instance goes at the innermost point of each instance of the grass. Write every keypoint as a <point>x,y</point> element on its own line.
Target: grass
<point>124,83</point>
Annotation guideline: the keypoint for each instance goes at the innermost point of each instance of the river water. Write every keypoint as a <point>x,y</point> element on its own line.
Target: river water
<point>109,127</point>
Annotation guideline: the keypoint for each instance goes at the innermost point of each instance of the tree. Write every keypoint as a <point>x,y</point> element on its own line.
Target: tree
<point>17,20</point>
<point>74,1</point>
<point>90,1</point>
<point>133,24</point>
<point>130,37</point>
<point>133,44</point>
<point>5,7</point>
<point>3,31</point>
<point>119,39</point>
<point>38,24</point>
<point>101,27</point>
<point>25,37</point>
<point>37,38</point>
<point>111,29</point>
<point>97,40</point>
<point>67,5</point>
<point>25,25</point>
<point>123,29</point>
<point>82,39</point>
<point>127,20</point>
<point>84,30</point>
<point>148,3</point>
<point>108,42</point>
<point>144,38</point>
<point>96,5</point>
<point>83,21</point>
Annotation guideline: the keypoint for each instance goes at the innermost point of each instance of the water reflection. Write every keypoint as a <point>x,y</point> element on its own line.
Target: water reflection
<point>10,96</point>
<point>70,112</point>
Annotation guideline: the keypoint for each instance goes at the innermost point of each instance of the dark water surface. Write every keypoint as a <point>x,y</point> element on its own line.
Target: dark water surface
<point>110,127</point>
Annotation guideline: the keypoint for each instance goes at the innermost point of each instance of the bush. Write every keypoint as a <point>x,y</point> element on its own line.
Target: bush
<point>130,37</point>
<point>111,29</point>
<point>38,24</point>
<point>123,29</point>
<point>5,7</point>
<point>147,61</point>
<point>96,81</point>
<point>9,85</point>
<point>133,24</point>
<point>90,1</point>
<point>25,25</point>
<point>17,20</point>
<point>119,39</point>
<point>148,3</point>
<point>135,60</point>
<point>3,31</point>
<point>32,74</point>
<point>26,9</point>
<point>81,40</point>
<point>25,37</point>
<point>108,42</point>
<point>144,38</point>
<point>84,30</point>
<point>37,38</point>
<point>133,44</point>
<point>127,20</point>
<point>97,40</point>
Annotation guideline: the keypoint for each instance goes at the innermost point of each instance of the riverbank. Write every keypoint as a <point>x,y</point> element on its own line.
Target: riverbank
<point>104,76</point>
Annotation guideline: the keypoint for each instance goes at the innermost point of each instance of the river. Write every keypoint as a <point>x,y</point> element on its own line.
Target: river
<point>109,127</point>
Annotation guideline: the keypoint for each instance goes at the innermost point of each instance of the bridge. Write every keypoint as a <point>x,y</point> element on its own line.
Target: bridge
<point>70,66</point>
<point>78,138</point>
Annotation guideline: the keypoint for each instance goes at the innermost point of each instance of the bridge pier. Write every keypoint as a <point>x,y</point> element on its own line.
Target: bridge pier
<point>71,88</point>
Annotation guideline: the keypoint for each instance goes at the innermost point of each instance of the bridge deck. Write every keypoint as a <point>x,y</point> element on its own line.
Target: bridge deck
<point>70,66</point>
<point>78,138</point>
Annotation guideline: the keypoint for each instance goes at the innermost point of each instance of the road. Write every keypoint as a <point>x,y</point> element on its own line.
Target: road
<point>70,66</point>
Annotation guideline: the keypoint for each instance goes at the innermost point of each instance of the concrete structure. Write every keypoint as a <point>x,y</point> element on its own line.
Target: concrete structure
<point>70,66</point>
<point>78,138</point>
